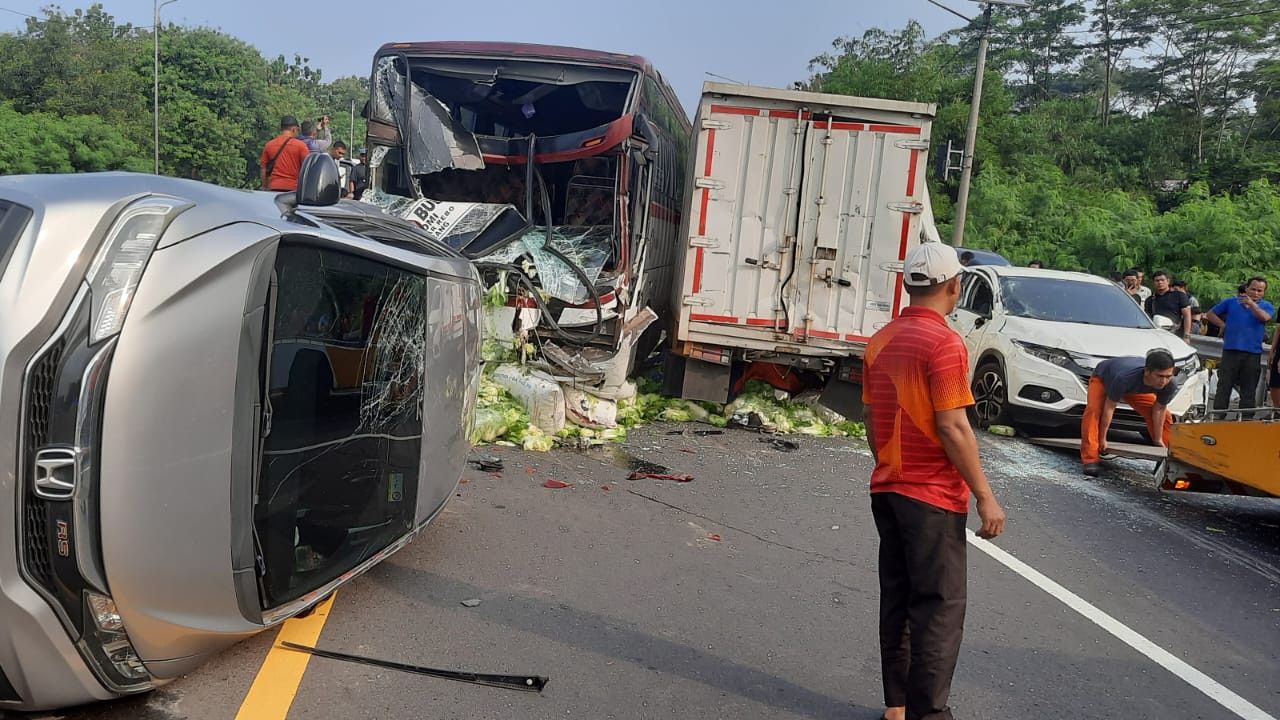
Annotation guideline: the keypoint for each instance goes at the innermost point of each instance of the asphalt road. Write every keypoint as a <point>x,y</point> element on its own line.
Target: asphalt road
<point>750,592</point>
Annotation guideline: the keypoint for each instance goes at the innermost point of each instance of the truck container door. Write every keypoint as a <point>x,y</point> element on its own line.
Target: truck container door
<point>860,211</point>
<point>743,218</point>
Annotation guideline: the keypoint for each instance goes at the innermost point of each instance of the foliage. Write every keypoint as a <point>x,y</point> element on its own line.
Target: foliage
<point>76,96</point>
<point>1113,133</point>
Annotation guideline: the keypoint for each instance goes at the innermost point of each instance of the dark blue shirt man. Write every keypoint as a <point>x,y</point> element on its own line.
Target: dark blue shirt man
<point>1242,320</point>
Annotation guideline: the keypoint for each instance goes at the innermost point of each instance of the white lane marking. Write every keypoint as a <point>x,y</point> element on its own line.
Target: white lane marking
<point>1193,677</point>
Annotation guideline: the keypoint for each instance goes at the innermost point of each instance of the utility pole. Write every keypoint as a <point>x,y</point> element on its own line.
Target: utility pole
<point>155,86</point>
<point>971,133</point>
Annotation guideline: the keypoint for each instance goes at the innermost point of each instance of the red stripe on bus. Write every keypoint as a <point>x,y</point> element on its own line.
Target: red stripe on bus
<point>904,129</point>
<point>702,220</point>
<point>714,318</point>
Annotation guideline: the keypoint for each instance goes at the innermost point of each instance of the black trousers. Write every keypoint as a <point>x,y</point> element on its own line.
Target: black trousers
<point>922,602</point>
<point>1240,370</point>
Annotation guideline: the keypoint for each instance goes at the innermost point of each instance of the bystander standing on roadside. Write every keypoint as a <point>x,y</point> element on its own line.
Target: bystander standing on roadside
<point>1035,264</point>
<point>282,157</point>
<point>360,174</point>
<point>1274,384</point>
<point>339,154</point>
<point>1131,286</point>
<point>1197,312</point>
<point>916,391</point>
<point>1169,303</point>
<point>1242,320</point>
<point>1143,290</point>
<point>309,131</point>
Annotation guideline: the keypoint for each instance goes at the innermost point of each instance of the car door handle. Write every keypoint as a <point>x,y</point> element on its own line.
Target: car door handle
<point>979,322</point>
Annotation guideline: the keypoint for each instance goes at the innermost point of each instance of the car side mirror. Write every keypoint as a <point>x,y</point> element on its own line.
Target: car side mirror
<point>318,181</point>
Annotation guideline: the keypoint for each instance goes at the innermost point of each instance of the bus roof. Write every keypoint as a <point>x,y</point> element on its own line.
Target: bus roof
<point>514,49</point>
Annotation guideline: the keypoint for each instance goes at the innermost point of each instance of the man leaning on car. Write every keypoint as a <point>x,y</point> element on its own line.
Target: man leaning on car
<point>1147,385</point>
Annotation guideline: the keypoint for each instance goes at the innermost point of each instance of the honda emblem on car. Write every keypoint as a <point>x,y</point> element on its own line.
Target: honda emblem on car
<point>55,473</point>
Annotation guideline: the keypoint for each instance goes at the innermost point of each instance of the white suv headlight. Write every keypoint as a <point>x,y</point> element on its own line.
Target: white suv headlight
<point>116,270</point>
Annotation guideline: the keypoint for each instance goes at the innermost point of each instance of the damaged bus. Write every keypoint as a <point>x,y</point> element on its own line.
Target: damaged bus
<point>558,171</point>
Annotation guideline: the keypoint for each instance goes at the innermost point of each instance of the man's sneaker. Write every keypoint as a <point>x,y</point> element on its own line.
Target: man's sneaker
<point>1093,469</point>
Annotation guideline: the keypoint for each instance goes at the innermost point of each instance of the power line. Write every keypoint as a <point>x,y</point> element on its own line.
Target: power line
<point>15,12</point>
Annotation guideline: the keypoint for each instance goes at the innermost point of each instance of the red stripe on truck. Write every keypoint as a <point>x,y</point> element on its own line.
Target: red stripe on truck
<point>714,318</point>
<point>906,228</point>
<point>702,219</point>
<point>757,112</point>
<point>904,129</point>
<point>838,126</point>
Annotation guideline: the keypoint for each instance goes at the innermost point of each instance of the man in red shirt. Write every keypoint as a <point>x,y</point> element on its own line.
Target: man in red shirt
<point>282,157</point>
<point>916,389</point>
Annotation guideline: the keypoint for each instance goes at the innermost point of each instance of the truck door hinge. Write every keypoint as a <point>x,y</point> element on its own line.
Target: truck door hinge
<point>697,301</point>
<point>913,208</point>
<point>703,242</point>
<point>708,183</point>
<point>709,124</point>
<point>912,144</point>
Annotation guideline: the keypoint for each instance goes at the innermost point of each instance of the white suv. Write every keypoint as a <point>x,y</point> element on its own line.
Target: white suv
<point>1035,336</point>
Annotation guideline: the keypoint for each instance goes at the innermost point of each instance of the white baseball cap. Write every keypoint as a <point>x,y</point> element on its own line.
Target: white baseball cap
<point>930,263</point>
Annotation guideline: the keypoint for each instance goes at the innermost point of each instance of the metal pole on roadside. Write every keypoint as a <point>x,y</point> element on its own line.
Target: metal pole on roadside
<point>971,133</point>
<point>354,143</point>
<point>155,79</point>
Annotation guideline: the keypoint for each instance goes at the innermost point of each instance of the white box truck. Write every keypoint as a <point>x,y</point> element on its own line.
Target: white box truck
<point>799,209</point>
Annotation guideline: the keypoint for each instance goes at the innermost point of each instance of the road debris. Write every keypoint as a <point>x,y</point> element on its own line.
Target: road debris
<point>638,475</point>
<point>713,537</point>
<point>487,463</point>
<point>782,444</point>
<point>1002,430</point>
<point>523,683</point>
<point>473,602</point>
<point>556,485</point>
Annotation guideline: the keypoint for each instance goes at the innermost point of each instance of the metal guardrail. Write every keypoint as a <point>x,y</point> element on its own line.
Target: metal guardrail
<point>1210,348</point>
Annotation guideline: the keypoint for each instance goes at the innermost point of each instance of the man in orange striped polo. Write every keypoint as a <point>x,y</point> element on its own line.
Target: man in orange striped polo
<point>916,389</point>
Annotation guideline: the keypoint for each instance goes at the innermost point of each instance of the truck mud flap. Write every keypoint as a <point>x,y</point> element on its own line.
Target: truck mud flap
<point>697,379</point>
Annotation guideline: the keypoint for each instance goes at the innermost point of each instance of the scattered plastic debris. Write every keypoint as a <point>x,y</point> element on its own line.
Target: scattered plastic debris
<point>638,475</point>
<point>782,444</point>
<point>713,537</point>
<point>605,488</point>
<point>473,602</point>
<point>487,463</point>
<point>556,485</point>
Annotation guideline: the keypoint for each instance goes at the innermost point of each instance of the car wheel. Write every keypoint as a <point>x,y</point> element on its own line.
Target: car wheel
<point>990,395</point>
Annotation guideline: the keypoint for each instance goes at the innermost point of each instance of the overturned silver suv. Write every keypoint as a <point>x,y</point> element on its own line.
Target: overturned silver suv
<point>216,406</point>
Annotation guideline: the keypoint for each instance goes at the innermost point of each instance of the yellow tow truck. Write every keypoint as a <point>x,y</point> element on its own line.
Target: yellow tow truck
<point>1238,456</point>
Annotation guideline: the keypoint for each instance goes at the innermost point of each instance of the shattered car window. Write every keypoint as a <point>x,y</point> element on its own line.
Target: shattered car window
<point>587,247</point>
<point>436,140</point>
<point>340,464</point>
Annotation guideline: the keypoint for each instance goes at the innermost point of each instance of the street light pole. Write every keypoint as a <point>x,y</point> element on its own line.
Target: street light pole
<point>155,78</point>
<point>971,133</point>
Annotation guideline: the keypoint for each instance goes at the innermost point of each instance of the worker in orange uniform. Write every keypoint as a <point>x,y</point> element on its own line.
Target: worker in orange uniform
<point>1148,386</point>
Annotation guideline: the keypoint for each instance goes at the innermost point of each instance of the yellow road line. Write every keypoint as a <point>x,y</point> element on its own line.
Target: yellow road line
<point>281,673</point>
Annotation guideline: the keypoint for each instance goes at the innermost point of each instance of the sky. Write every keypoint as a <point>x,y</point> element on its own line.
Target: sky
<point>769,44</point>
